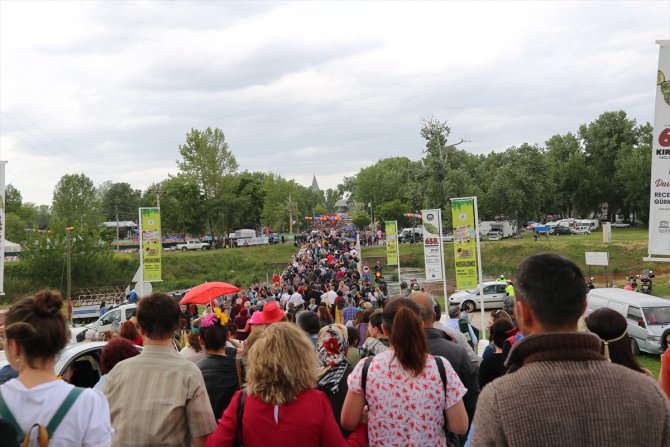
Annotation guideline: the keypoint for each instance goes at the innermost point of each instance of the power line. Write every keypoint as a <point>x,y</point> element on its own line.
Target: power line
<point>34,148</point>
<point>30,133</point>
<point>43,131</point>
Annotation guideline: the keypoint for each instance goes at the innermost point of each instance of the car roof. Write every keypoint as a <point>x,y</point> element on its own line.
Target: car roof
<point>630,297</point>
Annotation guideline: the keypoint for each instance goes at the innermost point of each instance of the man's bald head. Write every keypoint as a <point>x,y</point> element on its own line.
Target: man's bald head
<point>426,305</point>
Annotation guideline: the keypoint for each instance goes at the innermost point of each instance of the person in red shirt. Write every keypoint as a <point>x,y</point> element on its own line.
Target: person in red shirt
<point>281,407</point>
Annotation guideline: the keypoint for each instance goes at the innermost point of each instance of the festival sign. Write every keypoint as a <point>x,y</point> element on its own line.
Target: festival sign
<point>465,243</point>
<point>150,243</point>
<point>2,227</point>
<point>432,244</point>
<point>391,242</point>
<point>659,210</point>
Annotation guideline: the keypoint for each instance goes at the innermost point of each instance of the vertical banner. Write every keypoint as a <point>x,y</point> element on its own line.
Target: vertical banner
<point>150,243</point>
<point>659,210</point>
<point>465,243</point>
<point>391,242</point>
<point>2,227</point>
<point>432,244</point>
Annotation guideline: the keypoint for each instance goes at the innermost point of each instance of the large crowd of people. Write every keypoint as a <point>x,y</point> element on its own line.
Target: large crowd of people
<point>326,356</point>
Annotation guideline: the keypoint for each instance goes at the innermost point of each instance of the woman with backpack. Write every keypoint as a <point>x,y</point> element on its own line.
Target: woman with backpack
<point>412,396</point>
<point>279,406</point>
<point>35,333</point>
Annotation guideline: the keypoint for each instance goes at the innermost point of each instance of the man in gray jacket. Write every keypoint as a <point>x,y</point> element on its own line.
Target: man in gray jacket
<point>439,343</point>
<point>559,390</point>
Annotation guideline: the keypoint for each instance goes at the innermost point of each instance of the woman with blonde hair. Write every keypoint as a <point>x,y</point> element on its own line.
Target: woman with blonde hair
<point>279,405</point>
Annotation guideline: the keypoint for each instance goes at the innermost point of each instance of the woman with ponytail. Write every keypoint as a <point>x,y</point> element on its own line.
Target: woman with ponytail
<point>35,333</point>
<point>403,389</point>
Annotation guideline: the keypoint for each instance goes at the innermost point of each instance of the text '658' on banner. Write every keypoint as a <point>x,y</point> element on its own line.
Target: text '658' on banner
<point>465,243</point>
<point>432,244</point>
<point>150,249</point>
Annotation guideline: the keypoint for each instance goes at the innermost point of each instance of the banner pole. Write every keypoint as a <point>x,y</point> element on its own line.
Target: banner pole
<point>479,264</point>
<point>397,252</point>
<point>140,293</point>
<point>444,271</point>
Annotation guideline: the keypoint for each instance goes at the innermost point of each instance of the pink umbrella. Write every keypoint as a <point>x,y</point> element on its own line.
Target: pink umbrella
<point>205,293</point>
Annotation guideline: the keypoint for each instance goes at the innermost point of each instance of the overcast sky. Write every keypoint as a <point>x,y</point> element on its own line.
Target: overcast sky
<point>110,89</point>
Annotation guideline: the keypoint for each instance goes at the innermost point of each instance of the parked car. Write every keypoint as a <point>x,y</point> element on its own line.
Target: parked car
<point>448,237</point>
<point>469,300</point>
<point>582,229</point>
<point>406,235</point>
<point>495,236</point>
<point>620,225</point>
<point>111,320</point>
<point>647,316</point>
<point>560,229</point>
<point>193,245</point>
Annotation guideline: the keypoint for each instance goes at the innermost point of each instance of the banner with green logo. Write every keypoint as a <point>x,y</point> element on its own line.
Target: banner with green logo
<point>391,242</point>
<point>465,243</point>
<point>150,243</point>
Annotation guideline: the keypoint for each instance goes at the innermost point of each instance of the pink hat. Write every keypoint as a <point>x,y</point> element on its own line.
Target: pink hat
<point>271,313</point>
<point>256,317</point>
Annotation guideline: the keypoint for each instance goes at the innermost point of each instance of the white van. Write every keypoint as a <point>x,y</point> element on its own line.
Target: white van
<point>111,320</point>
<point>647,316</point>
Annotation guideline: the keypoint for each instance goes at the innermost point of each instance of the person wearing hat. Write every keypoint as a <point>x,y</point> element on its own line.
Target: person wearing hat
<point>501,278</point>
<point>271,313</point>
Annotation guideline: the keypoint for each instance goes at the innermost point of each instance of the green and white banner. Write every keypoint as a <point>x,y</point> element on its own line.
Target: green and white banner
<point>391,228</point>
<point>150,243</point>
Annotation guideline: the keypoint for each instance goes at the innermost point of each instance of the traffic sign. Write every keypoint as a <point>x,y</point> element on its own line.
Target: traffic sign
<point>366,269</point>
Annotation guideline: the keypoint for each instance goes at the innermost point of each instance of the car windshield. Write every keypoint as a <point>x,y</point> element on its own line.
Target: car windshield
<point>657,315</point>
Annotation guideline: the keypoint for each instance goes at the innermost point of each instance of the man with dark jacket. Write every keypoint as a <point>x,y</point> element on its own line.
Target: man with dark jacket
<point>439,343</point>
<point>559,389</point>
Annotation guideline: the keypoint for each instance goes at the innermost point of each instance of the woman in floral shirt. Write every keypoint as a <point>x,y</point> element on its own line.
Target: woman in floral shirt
<point>405,395</point>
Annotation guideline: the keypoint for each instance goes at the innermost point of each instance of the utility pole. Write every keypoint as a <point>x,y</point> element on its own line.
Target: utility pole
<point>158,198</point>
<point>290,214</point>
<point>116,208</point>
<point>68,293</point>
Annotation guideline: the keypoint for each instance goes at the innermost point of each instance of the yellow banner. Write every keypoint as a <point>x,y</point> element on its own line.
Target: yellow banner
<point>391,242</point>
<point>465,243</point>
<point>150,232</point>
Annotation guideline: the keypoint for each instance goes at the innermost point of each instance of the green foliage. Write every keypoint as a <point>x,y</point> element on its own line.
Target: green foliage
<point>182,206</point>
<point>75,201</point>
<point>393,210</point>
<point>361,221</point>
<point>14,228</point>
<point>121,199</point>
<point>13,199</point>
<point>382,182</point>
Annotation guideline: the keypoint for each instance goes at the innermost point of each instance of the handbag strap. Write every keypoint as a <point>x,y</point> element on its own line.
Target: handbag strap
<point>239,442</point>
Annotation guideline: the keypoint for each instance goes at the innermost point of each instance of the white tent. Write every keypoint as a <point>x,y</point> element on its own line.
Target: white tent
<point>12,247</point>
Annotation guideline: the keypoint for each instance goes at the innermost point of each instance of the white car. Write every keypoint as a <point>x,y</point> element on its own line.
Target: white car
<point>111,320</point>
<point>84,358</point>
<point>620,225</point>
<point>469,300</point>
<point>582,229</point>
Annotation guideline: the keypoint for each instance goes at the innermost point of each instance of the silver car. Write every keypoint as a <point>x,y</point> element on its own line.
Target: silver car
<point>469,300</point>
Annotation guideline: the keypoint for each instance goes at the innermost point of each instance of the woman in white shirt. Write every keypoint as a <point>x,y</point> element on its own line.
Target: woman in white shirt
<point>35,333</point>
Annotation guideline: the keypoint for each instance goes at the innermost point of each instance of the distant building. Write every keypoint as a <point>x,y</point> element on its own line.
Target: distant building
<point>315,185</point>
<point>342,205</point>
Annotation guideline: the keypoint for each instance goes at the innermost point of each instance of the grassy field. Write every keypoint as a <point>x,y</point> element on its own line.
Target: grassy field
<point>628,247</point>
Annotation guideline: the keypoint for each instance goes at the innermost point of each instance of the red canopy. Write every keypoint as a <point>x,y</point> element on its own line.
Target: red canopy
<point>205,293</point>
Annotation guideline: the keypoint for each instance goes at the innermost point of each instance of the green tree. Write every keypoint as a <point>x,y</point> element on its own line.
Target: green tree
<point>75,201</point>
<point>361,221</point>
<point>275,208</point>
<point>393,210</point>
<point>602,140</point>
<point>13,199</point>
<point>632,165</point>
<point>520,187</point>
<point>15,228</point>
<point>121,199</point>
<point>207,159</point>
<point>383,181</point>
<point>182,206</point>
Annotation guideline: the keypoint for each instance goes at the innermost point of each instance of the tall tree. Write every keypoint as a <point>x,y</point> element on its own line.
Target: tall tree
<point>13,199</point>
<point>207,159</point>
<point>122,199</point>
<point>181,206</point>
<point>602,140</point>
<point>75,201</point>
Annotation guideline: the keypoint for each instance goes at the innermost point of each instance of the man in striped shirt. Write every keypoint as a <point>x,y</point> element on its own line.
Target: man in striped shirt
<point>158,397</point>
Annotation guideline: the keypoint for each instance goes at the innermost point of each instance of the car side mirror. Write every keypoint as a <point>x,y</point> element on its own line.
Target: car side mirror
<point>641,323</point>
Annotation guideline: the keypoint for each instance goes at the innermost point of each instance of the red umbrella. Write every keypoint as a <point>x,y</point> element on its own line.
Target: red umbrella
<point>205,293</point>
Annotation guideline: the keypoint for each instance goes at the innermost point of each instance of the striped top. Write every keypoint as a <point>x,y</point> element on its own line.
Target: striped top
<point>158,398</point>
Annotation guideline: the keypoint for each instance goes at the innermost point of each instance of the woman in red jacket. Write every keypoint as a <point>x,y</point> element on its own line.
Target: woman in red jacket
<point>281,406</point>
